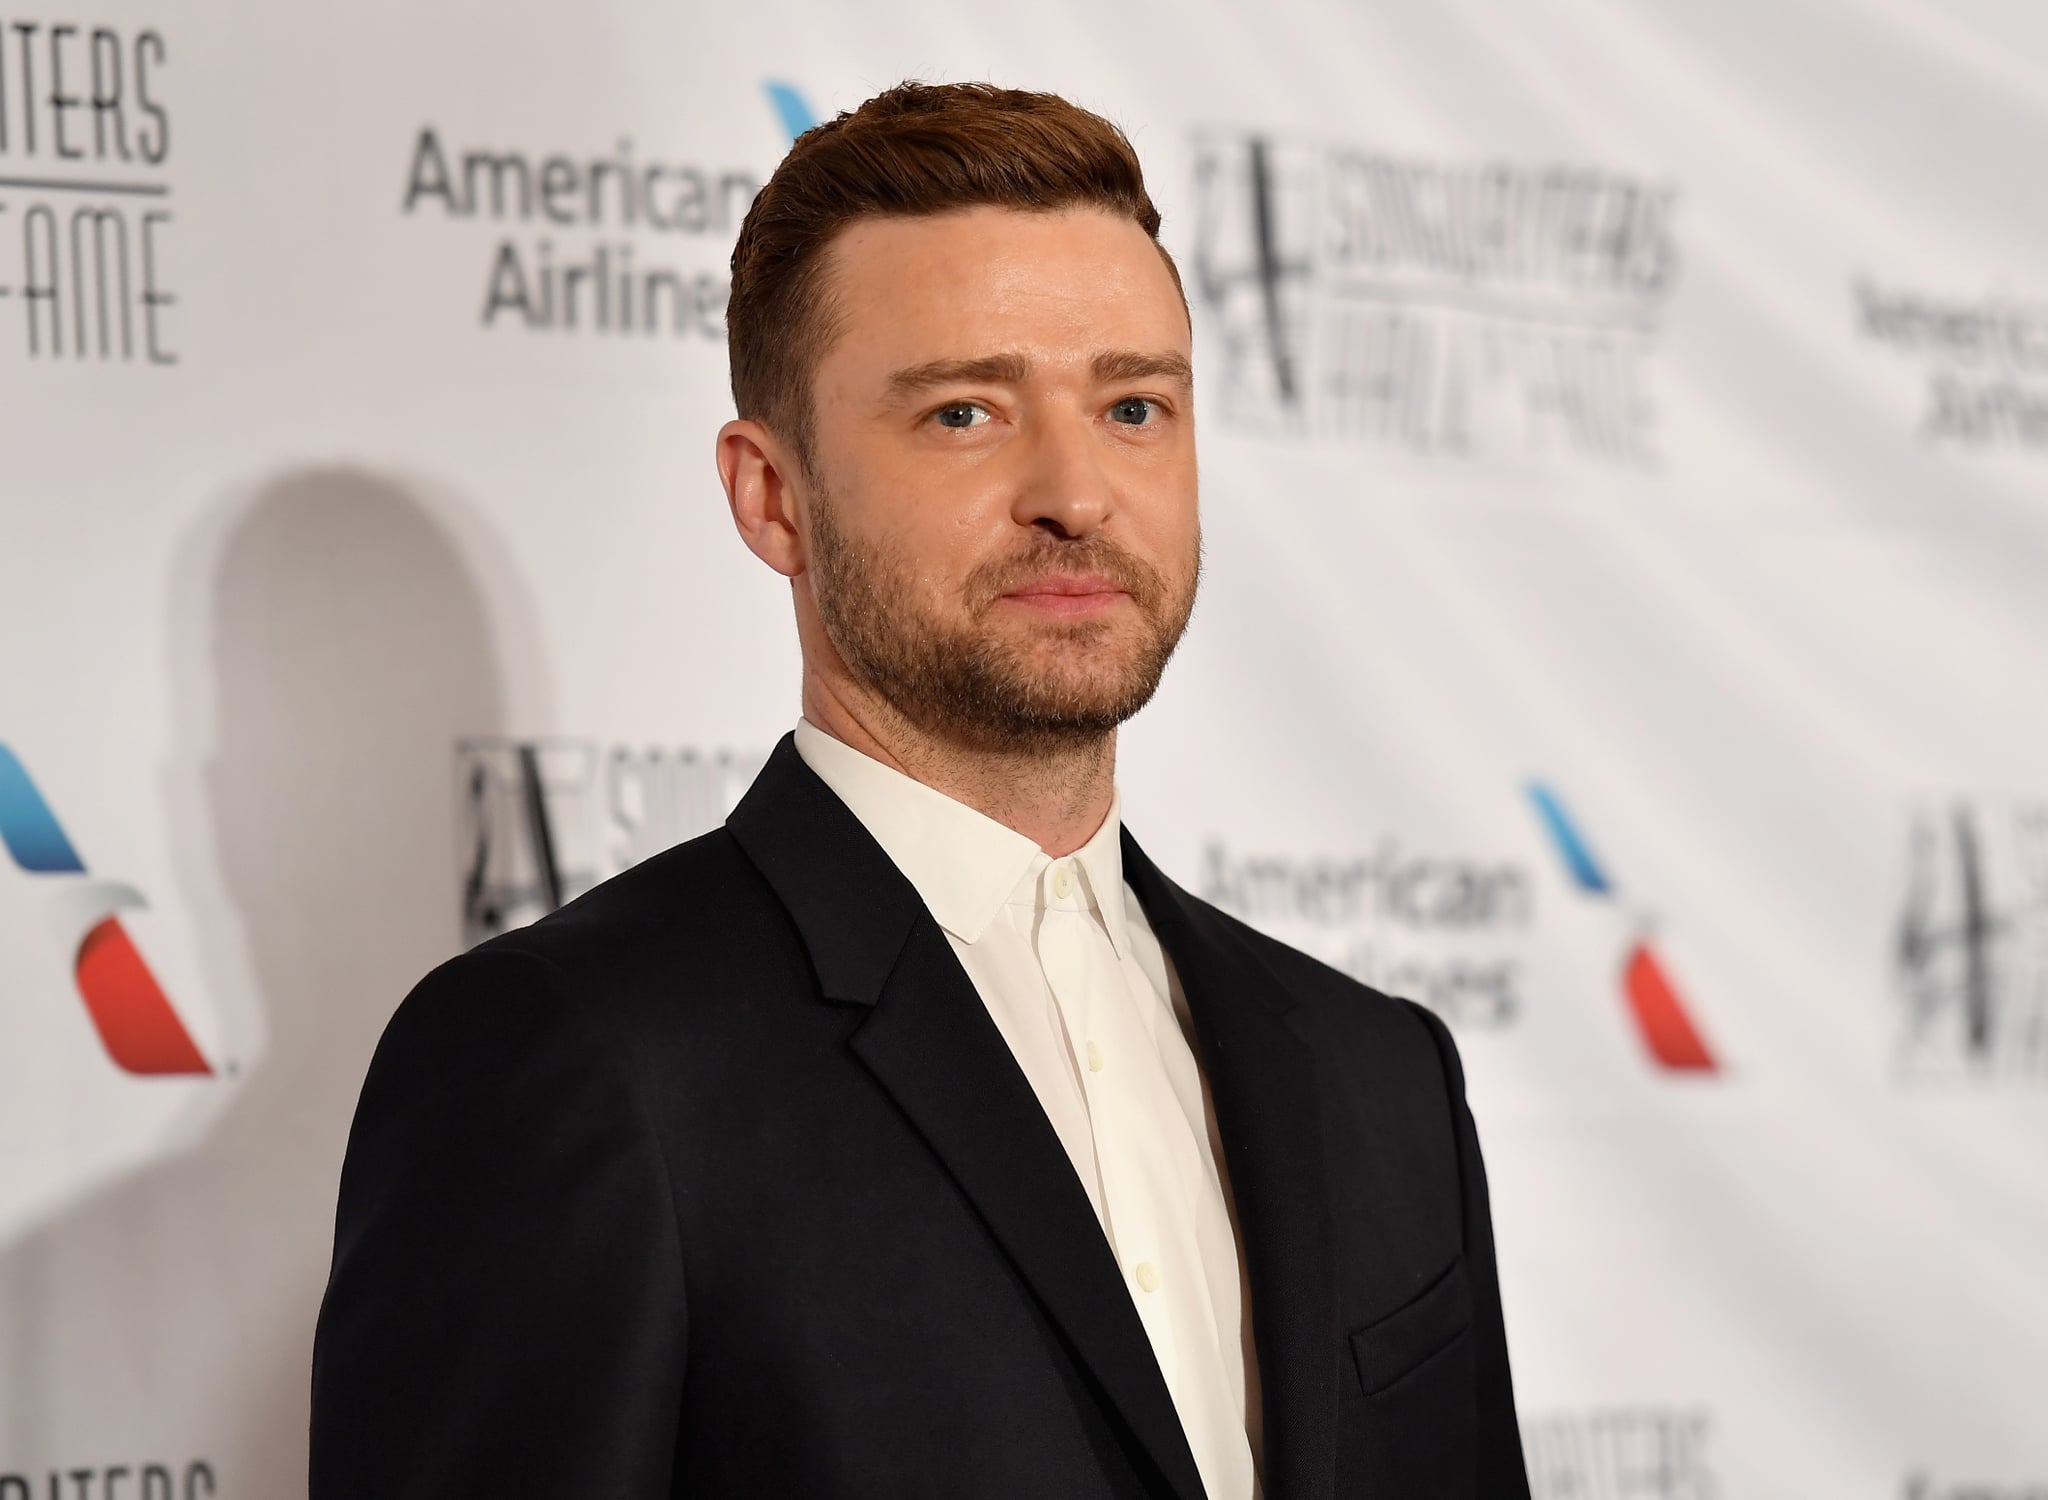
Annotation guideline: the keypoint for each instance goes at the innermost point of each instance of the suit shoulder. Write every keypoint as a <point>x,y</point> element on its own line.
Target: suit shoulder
<point>671,936</point>
<point>1332,998</point>
<point>653,952</point>
<point>701,902</point>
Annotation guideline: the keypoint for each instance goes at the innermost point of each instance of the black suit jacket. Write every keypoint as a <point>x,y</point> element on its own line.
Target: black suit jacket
<point>721,1182</point>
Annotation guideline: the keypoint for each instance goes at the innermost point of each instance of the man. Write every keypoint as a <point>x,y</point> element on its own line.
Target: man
<point>913,1135</point>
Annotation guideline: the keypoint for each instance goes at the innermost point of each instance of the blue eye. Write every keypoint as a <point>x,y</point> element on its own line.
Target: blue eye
<point>1132,411</point>
<point>960,415</point>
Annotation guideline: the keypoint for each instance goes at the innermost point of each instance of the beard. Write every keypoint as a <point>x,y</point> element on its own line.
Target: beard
<point>1040,688</point>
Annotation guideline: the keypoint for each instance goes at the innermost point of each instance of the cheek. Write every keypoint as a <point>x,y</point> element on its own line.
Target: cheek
<point>946,524</point>
<point>1162,510</point>
<point>931,541</point>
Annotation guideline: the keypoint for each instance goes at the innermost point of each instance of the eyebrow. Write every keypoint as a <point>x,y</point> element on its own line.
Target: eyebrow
<point>988,369</point>
<point>1013,369</point>
<point>1125,364</point>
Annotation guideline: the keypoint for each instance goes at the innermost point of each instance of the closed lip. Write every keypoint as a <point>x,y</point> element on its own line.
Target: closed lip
<point>1071,586</point>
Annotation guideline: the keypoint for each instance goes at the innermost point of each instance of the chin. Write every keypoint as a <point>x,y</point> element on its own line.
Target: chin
<point>1055,641</point>
<point>1109,697</point>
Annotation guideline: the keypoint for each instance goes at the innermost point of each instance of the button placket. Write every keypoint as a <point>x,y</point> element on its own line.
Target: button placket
<point>1063,958</point>
<point>1154,1189</point>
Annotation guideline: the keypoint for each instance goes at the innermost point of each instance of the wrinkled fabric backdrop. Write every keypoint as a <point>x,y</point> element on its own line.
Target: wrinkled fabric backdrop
<point>1625,439</point>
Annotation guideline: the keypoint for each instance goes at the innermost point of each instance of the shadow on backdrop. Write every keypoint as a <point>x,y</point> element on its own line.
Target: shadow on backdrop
<point>349,644</point>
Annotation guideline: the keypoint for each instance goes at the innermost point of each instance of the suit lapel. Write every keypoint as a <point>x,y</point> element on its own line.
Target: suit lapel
<point>1262,1077</point>
<point>930,1043</point>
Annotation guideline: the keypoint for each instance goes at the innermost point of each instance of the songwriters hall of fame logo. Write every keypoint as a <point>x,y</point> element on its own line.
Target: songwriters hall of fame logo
<point>192,1480</point>
<point>542,821</point>
<point>1471,309</point>
<point>1970,952</point>
<point>1621,1453</point>
<point>85,194</point>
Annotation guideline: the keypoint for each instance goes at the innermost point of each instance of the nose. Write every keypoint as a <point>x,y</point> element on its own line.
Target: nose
<point>1064,488</point>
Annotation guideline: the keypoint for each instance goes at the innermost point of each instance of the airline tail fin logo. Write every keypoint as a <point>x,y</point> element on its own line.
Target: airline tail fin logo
<point>791,109</point>
<point>134,1018</point>
<point>1661,1016</point>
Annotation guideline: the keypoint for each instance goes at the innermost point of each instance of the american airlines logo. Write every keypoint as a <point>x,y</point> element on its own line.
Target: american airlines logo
<point>1662,1018</point>
<point>792,110</point>
<point>135,1019</point>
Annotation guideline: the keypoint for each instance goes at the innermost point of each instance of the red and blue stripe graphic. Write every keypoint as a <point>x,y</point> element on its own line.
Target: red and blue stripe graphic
<point>135,1020</point>
<point>1661,1016</point>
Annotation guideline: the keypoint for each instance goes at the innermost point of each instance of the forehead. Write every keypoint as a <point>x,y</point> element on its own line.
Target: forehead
<point>1058,286</point>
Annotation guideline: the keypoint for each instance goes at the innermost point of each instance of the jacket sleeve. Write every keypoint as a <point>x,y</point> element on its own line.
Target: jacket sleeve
<point>505,1311</point>
<point>1501,1471</point>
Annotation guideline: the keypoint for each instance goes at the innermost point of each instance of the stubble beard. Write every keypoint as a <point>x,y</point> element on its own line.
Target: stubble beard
<point>1067,687</point>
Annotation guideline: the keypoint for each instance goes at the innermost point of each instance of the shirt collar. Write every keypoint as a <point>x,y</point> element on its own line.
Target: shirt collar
<point>963,863</point>
<point>1102,870</point>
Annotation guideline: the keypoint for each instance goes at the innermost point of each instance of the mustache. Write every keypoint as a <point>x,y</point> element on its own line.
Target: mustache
<point>1052,557</point>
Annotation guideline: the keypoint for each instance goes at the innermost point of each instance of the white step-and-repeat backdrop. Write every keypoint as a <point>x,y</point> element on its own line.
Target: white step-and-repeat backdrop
<point>1626,479</point>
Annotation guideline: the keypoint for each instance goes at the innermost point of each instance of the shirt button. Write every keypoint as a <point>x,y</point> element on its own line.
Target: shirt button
<point>1062,882</point>
<point>1094,1058</point>
<point>1148,1276</point>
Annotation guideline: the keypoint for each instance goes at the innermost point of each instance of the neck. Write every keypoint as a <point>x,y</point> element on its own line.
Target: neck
<point>1055,796</point>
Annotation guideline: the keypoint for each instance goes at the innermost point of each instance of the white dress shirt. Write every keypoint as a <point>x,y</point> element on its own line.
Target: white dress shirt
<point>1061,954</point>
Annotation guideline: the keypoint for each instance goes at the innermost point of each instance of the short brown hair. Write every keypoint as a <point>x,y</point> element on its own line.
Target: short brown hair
<point>913,150</point>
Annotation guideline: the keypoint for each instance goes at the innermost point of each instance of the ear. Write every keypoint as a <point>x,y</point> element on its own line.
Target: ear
<point>757,471</point>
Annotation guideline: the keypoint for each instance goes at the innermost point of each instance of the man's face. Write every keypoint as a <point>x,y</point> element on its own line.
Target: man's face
<point>1003,532</point>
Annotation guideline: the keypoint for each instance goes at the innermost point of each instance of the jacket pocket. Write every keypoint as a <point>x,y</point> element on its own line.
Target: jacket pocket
<point>1407,1338</point>
<point>1412,1428</point>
